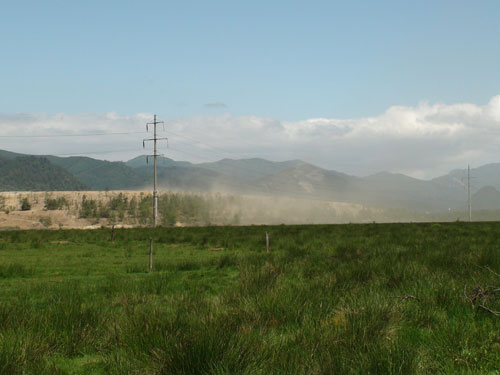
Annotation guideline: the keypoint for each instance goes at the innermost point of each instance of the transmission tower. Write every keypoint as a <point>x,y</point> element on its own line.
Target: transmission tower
<point>155,139</point>
<point>468,187</point>
<point>468,192</point>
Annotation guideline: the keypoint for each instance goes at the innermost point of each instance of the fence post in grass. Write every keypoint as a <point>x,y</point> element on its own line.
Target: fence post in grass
<point>150,255</point>
<point>113,233</point>
<point>267,242</point>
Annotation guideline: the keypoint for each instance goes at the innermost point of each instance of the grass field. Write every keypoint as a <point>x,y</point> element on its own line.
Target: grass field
<point>336,299</point>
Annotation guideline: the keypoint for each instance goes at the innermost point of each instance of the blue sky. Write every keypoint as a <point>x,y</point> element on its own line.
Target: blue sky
<point>285,60</point>
<point>354,86</point>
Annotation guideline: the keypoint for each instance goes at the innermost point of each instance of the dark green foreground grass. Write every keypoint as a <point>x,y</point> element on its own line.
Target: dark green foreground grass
<point>327,300</point>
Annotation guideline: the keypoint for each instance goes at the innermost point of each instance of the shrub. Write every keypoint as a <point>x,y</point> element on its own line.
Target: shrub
<point>25,205</point>
<point>55,204</point>
<point>88,208</point>
<point>46,221</point>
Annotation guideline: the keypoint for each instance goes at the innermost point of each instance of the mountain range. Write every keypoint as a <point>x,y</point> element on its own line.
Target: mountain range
<point>293,178</point>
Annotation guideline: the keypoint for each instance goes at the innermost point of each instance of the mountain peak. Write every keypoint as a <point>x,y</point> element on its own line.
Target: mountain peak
<point>162,161</point>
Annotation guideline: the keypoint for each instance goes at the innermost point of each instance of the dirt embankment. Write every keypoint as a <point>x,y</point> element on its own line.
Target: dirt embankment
<point>37,217</point>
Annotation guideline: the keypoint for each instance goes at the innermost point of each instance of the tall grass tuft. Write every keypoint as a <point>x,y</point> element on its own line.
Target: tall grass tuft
<point>15,270</point>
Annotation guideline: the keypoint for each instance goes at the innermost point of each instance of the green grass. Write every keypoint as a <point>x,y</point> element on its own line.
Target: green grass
<point>328,299</point>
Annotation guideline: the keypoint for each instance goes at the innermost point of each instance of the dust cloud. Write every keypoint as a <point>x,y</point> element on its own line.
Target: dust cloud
<point>94,209</point>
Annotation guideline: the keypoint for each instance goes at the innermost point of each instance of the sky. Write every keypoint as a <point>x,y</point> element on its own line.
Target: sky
<point>353,86</point>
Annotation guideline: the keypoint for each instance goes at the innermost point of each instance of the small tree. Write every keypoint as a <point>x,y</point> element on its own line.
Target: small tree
<point>88,208</point>
<point>132,208</point>
<point>25,205</point>
<point>169,218</point>
<point>145,209</point>
<point>55,204</point>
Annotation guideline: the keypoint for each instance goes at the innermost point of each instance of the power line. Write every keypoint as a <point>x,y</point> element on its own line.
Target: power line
<point>69,135</point>
<point>212,149</point>
<point>276,187</point>
<point>88,153</point>
<point>198,156</point>
<point>77,153</point>
<point>215,149</point>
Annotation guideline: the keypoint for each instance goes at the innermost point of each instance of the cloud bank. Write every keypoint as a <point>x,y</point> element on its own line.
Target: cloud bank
<point>422,141</point>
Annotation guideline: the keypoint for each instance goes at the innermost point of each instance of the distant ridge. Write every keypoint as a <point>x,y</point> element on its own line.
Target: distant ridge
<point>35,173</point>
<point>101,174</point>
<point>257,176</point>
<point>486,198</point>
<point>144,161</point>
<point>9,155</point>
<point>249,169</point>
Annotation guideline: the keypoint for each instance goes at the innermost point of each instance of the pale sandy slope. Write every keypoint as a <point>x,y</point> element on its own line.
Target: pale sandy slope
<point>66,219</point>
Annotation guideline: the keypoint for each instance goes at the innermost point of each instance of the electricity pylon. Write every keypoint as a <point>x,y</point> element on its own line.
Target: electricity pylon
<point>155,154</point>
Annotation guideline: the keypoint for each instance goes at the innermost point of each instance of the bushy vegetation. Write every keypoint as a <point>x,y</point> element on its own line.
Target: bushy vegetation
<point>344,299</point>
<point>190,209</point>
<point>46,221</point>
<point>25,204</point>
<point>55,203</point>
<point>88,208</point>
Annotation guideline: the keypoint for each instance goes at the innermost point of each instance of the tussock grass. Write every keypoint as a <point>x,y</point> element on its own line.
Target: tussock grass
<point>14,270</point>
<point>346,299</point>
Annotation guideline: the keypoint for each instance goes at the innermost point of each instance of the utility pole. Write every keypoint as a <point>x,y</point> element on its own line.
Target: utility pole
<point>155,154</point>
<point>468,192</point>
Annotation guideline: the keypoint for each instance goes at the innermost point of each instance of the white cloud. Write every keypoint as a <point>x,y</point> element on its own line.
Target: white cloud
<point>422,141</point>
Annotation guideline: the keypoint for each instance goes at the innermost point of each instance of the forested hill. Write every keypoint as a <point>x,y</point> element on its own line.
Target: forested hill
<point>101,174</point>
<point>35,173</point>
<point>292,178</point>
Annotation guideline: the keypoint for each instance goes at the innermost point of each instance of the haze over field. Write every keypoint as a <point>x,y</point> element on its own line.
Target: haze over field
<point>247,191</point>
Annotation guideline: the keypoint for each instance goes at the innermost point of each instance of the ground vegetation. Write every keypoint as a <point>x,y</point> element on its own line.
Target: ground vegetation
<point>326,299</point>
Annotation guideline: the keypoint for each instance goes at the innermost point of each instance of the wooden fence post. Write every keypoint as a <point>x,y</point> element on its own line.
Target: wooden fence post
<point>150,255</point>
<point>113,233</point>
<point>267,242</point>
